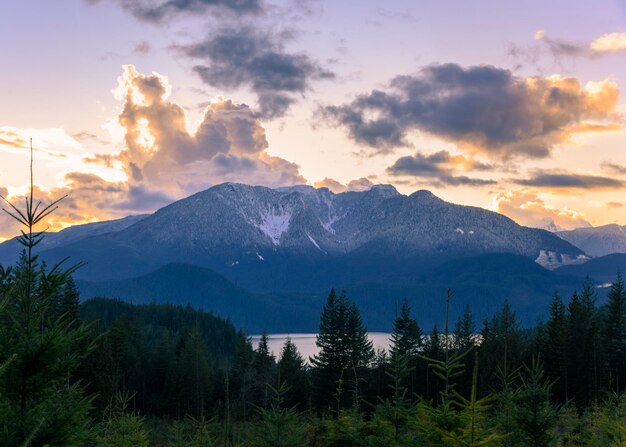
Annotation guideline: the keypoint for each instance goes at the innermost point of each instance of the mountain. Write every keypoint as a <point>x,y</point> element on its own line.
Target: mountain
<point>203,289</point>
<point>597,241</point>
<point>9,250</point>
<point>603,269</point>
<point>283,249</point>
<point>300,237</point>
<point>482,282</point>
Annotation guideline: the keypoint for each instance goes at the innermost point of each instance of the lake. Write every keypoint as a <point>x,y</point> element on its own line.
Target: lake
<point>306,342</point>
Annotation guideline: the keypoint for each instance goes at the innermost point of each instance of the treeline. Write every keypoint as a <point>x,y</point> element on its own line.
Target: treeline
<point>107,373</point>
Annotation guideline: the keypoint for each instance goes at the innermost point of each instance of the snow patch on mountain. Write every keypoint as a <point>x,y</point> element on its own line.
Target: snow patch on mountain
<point>275,224</point>
<point>315,243</point>
<point>552,260</point>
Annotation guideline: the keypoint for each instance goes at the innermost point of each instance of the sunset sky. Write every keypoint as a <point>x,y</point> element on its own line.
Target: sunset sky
<point>512,106</point>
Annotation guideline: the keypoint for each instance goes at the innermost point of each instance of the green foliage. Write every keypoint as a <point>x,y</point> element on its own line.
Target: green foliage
<point>292,372</point>
<point>121,427</point>
<point>279,426</point>
<point>41,401</point>
<point>614,336</point>
<point>535,418</point>
<point>345,351</point>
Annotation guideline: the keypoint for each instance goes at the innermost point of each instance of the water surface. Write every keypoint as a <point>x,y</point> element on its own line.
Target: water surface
<point>306,342</point>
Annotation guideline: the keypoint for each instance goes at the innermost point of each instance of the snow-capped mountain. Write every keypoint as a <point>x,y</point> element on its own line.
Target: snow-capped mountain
<point>597,241</point>
<point>286,237</point>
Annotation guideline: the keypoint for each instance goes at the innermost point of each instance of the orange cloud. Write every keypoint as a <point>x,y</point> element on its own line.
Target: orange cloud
<point>526,207</point>
<point>609,43</point>
<point>361,184</point>
<point>161,161</point>
<point>162,155</point>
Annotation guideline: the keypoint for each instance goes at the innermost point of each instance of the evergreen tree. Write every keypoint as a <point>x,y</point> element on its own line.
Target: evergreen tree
<point>463,340</point>
<point>345,351</point>
<point>534,416</point>
<point>556,367</point>
<point>67,306</point>
<point>588,344</point>
<point>292,373</point>
<point>41,403</point>
<point>464,332</point>
<point>264,369</point>
<point>582,346</point>
<point>502,347</point>
<point>615,336</point>
<point>406,341</point>
<point>194,375</point>
<point>433,349</point>
<point>241,378</point>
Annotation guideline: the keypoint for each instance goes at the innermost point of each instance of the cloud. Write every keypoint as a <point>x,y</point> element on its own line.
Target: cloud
<point>609,43</point>
<point>603,45</point>
<point>158,11</point>
<point>142,48</point>
<point>246,57</point>
<point>526,207</point>
<point>361,184</point>
<point>559,180</point>
<point>483,109</point>
<point>228,145</point>
<point>162,161</point>
<point>614,168</point>
<point>440,168</point>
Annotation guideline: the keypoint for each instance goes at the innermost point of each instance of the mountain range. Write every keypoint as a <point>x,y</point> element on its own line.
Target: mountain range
<point>597,241</point>
<point>267,257</point>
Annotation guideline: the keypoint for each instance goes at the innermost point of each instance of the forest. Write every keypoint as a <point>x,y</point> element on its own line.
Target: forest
<point>108,373</point>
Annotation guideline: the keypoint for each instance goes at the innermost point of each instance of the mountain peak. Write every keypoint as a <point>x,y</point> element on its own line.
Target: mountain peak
<point>425,195</point>
<point>385,190</point>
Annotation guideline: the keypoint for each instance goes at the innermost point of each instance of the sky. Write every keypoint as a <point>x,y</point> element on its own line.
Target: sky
<point>516,107</point>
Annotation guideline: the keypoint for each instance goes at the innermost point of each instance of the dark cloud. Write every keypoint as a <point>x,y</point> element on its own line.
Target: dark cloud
<point>565,180</point>
<point>142,48</point>
<point>560,48</point>
<point>603,45</point>
<point>157,11</point>
<point>482,108</point>
<point>614,168</point>
<point>440,168</point>
<point>250,58</point>
<point>139,198</point>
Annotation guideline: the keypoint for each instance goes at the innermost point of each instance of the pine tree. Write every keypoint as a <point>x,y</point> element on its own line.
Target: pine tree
<point>502,347</point>
<point>292,372</point>
<point>589,344</point>
<point>280,425</point>
<point>406,340</point>
<point>582,346</point>
<point>555,348</point>
<point>42,402</point>
<point>264,368</point>
<point>534,416</point>
<point>615,336</point>
<point>345,351</point>
<point>464,331</point>
<point>67,306</point>
<point>194,375</point>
